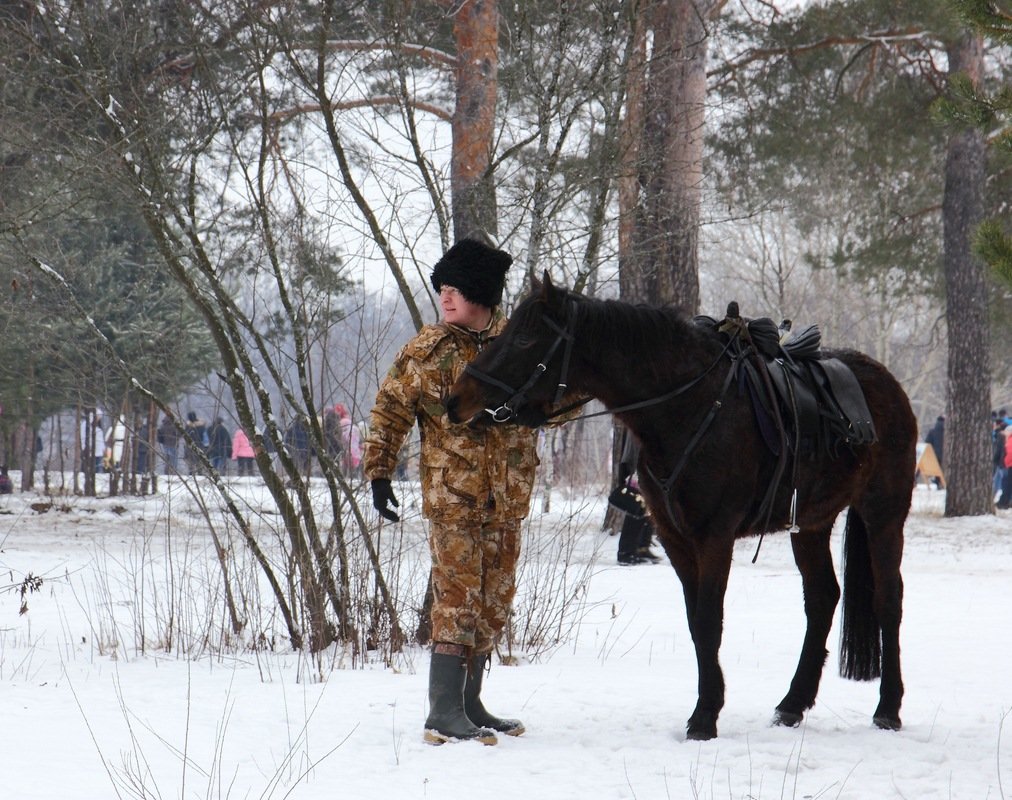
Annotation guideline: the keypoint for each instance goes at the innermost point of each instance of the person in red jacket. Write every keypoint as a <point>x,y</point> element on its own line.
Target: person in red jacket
<point>242,453</point>
<point>1005,501</point>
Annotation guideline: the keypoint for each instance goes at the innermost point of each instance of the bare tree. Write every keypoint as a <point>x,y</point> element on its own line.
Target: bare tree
<point>156,97</point>
<point>268,156</point>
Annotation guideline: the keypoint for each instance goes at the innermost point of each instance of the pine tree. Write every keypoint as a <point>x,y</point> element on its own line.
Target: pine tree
<point>832,110</point>
<point>970,104</point>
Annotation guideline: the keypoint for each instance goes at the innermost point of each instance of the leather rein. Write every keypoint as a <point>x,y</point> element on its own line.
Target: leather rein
<point>566,333</point>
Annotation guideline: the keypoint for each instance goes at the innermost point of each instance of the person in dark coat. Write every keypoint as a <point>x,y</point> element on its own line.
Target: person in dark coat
<point>637,532</point>
<point>332,434</point>
<point>141,462</point>
<point>196,439</point>
<point>168,438</point>
<point>297,442</point>
<point>219,446</point>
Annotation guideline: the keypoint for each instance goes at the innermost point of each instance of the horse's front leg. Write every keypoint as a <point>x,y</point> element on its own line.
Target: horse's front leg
<point>704,582</point>
<point>822,593</point>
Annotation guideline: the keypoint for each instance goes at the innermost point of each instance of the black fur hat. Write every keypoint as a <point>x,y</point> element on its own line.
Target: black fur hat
<point>476,269</point>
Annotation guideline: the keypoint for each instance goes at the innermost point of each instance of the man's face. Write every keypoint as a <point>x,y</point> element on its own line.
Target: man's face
<point>458,310</point>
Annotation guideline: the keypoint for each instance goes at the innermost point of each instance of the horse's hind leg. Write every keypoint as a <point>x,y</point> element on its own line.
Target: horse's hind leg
<point>873,603</point>
<point>822,593</point>
<point>885,544</point>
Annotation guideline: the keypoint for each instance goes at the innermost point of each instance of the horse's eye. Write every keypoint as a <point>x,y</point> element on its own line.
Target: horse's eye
<point>524,340</point>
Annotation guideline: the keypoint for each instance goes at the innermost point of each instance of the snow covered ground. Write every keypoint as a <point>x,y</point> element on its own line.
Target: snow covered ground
<point>85,716</point>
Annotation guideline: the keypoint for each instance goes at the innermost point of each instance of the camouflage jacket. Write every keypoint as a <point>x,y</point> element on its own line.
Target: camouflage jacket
<point>463,469</point>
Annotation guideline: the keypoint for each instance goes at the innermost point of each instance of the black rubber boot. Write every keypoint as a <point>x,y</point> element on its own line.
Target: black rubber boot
<point>646,540</point>
<point>447,721</point>
<point>473,706</point>
<point>629,541</point>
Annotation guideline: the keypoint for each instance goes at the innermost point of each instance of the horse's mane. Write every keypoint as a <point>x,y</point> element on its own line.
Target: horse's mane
<point>640,327</point>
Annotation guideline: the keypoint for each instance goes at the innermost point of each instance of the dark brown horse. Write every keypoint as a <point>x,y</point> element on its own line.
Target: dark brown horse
<point>667,379</point>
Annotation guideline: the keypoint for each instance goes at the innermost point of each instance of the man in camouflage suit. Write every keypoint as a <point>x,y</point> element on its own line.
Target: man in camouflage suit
<point>476,488</point>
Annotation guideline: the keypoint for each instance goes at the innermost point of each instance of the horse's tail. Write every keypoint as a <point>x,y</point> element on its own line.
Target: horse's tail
<point>860,634</point>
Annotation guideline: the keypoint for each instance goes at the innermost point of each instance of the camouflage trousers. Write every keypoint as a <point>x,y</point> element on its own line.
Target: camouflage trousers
<point>473,580</point>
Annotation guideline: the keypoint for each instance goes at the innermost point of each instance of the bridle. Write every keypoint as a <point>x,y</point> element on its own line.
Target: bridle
<point>517,397</point>
<point>566,333</point>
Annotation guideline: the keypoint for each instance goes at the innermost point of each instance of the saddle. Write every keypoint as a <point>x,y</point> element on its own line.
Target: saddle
<point>816,398</point>
<point>804,401</point>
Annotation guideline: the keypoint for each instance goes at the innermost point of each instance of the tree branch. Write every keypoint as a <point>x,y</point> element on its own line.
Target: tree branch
<point>439,58</point>
<point>365,102</point>
<point>765,53</point>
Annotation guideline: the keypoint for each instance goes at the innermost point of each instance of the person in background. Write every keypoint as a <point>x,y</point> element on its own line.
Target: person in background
<point>196,440</point>
<point>333,437</point>
<point>262,443</point>
<point>141,439</point>
<point>997,452</point>
<point>636,535</point>
<point>93,438</point>
<point>350,441</point>
<point>115,439</point>
<point>168,439</point>
<point>1005,500</point>
<point>476,488</point>
<point>936,438</point>
<point>242,453</point>
<point>297,441</point>
<point>6,484</point>
<point>219,446</point>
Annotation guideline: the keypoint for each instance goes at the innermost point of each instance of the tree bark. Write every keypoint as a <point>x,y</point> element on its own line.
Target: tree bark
<point>967,457</point>
<point>630,142</point>
<point>476,32</point>
<point>670,175</point>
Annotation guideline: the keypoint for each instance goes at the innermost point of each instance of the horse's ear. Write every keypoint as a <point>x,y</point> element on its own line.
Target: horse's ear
<point>554,297</point>
<point>542,287</point>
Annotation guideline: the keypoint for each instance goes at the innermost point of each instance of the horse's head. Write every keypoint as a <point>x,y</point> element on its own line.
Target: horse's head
<point>521,371</point>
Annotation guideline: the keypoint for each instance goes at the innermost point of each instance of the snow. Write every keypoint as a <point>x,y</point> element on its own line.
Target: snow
<point>605,712</point>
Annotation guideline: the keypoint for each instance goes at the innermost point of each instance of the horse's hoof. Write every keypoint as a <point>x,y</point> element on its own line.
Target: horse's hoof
<point>787,719</point>
<point>700,733</point>
<point>882,722</point>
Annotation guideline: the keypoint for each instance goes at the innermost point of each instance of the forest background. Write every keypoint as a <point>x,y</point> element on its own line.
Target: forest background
<point>234,208</point>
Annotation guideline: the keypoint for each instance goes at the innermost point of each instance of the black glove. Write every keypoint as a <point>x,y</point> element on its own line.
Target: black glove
<point>628,500</point>
<point>531,416</point>
<point>382,494</point>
